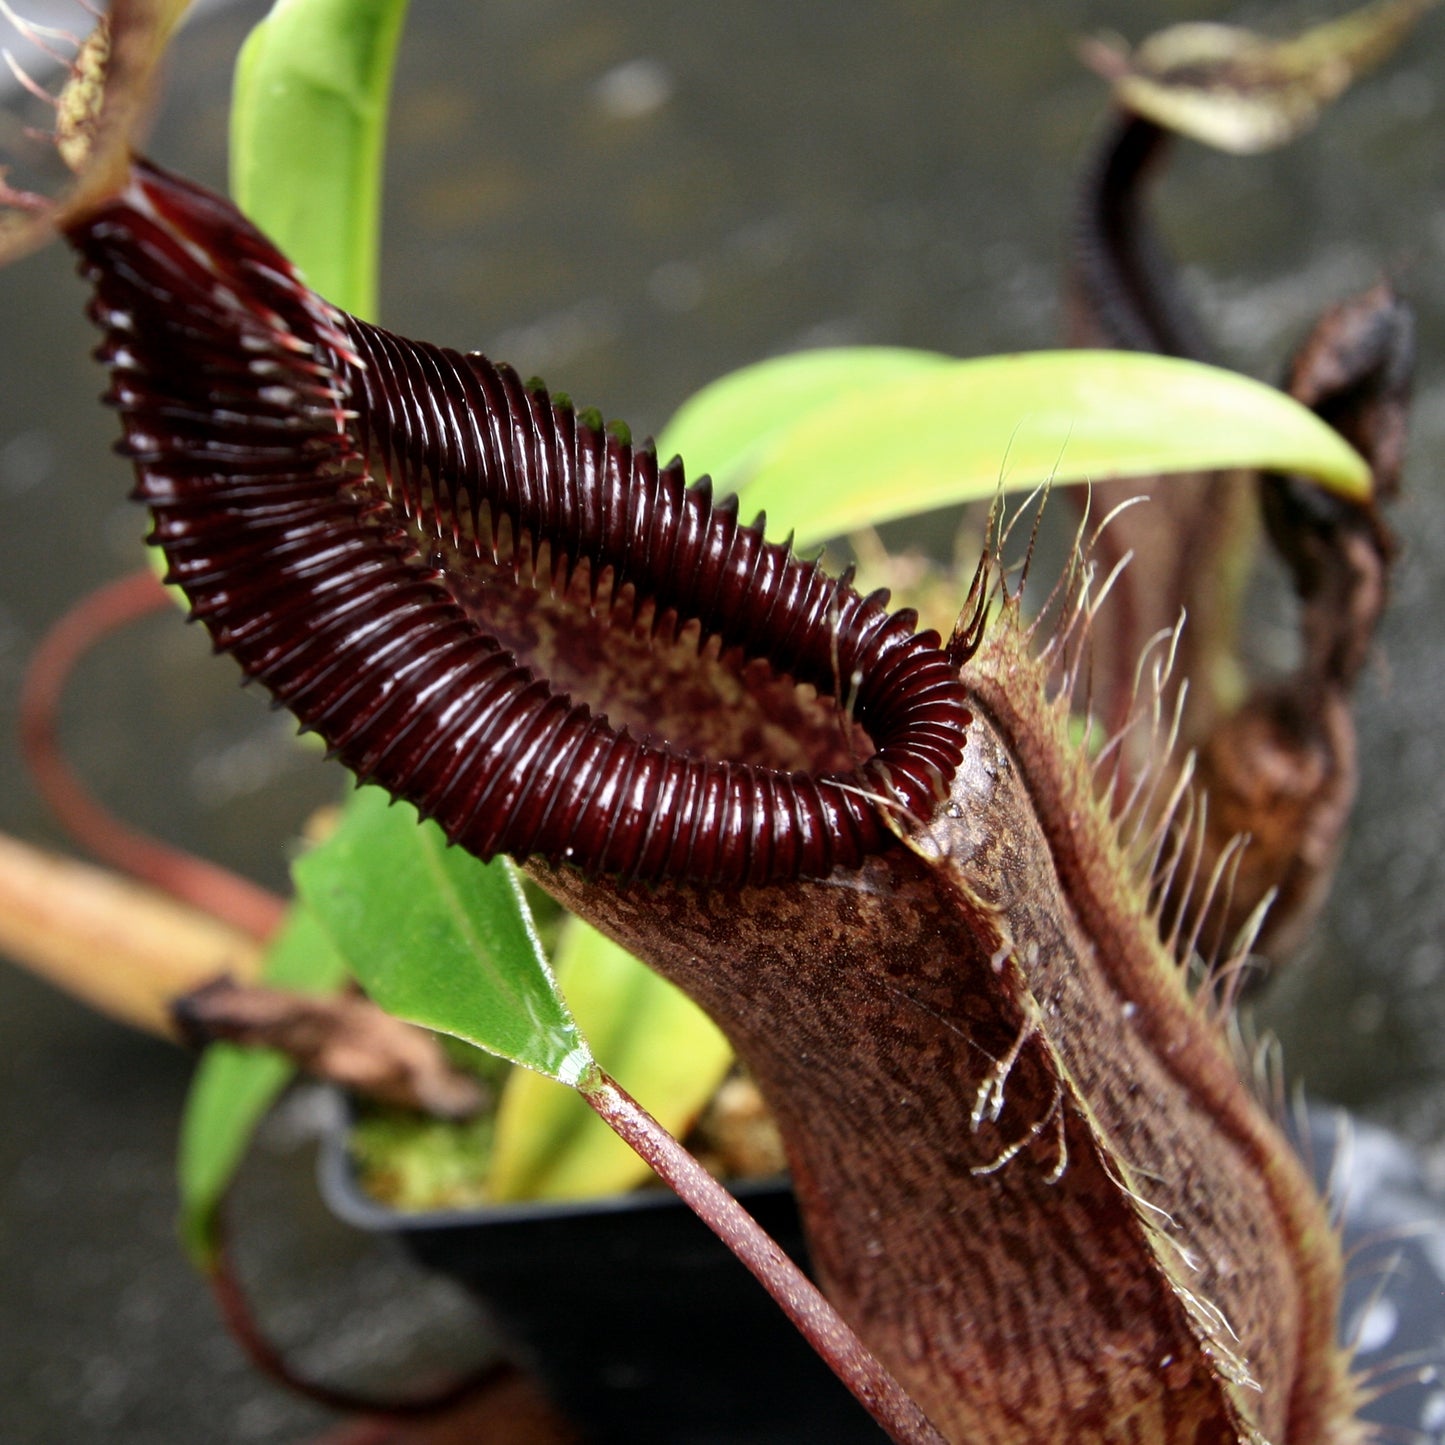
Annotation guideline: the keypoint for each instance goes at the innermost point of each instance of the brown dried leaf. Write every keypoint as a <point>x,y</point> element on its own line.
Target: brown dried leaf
<point>346,1040</point>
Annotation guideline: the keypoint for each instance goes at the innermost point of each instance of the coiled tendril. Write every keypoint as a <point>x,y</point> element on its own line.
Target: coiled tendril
<point>284,447</point>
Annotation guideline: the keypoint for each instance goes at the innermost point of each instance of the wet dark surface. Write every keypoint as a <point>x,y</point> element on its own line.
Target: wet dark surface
<point>630,200</point>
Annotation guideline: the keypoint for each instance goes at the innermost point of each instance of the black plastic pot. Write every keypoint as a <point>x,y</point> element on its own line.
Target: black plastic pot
<point>646,1331</point>
<point>642,1327</point>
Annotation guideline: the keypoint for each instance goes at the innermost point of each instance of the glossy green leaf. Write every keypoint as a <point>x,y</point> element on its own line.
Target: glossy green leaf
<point>438,938</point>
<point>961,431</point>
<point>727,427</point>
<point>234,1087</point>
<point>308,132</point>
<point>655,1041</point>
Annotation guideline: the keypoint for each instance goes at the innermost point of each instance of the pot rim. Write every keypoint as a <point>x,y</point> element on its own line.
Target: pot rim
<point>341,1190</point>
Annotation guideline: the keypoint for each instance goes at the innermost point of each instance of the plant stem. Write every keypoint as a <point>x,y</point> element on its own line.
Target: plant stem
<point>215,890</point>
<point>244,1328</point>
<point>796,1295</point>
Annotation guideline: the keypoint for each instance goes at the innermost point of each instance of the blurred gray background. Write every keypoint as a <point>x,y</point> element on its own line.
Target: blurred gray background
<point>631,199</point>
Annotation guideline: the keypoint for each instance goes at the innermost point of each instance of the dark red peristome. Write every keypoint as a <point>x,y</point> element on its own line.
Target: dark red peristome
<point>280,445</point>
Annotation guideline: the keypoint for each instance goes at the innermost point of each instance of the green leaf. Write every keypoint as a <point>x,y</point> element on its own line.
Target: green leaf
<point>656,1042</point>
<point>960,432</point>
<point>438,938</point>
<point>727,427</point>
<point>234,1087</point>
<point>308,132</point>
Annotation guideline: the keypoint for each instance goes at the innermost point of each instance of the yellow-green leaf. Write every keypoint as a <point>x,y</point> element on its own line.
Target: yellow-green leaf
<point>957,432</point>
<point>727,427</point>
<point>308,130</point>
